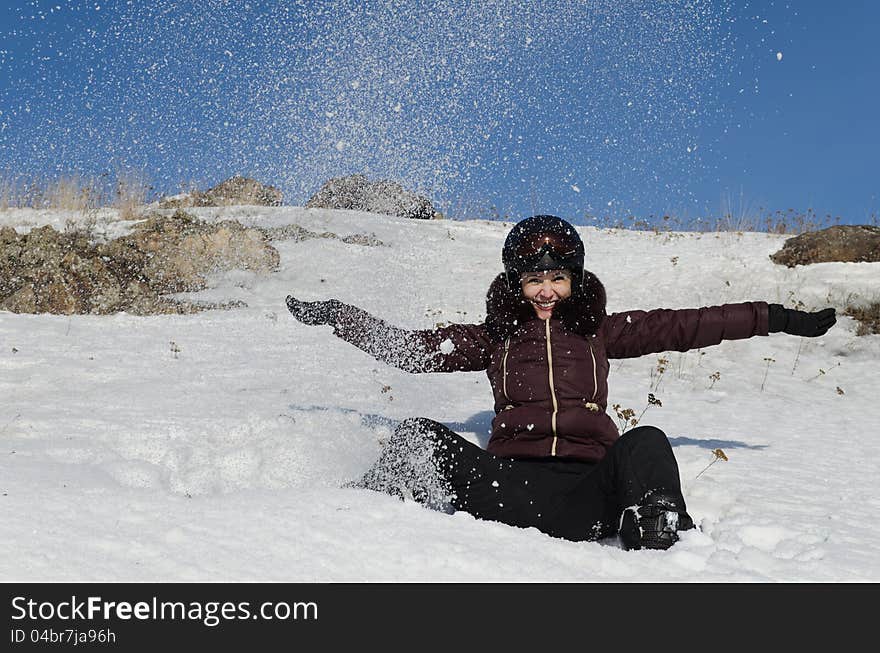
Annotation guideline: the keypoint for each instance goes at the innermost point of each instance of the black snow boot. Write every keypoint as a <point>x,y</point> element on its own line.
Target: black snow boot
<point>654,523</point>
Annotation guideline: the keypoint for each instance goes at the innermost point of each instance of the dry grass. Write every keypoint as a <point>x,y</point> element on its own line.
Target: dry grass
<point>71,194</point>
<point>131,196</point>
<point>868,318</point>
<point>130,193</point>
<point>182,198</point>
<point>76,193</point>
<point>739,216</point>
<point>778,222</point>
<point>67,193</point>
<point>7,194</point>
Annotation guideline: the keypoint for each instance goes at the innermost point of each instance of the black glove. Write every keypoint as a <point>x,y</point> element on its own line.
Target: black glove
<point>800,323</point>
<point>313,313</point>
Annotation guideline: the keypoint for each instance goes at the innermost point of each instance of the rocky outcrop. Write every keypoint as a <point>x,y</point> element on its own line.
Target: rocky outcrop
<point>46,271</point>
<point>297,233</point>
<point>844,243</point>
<point>357,193</point>
<point>174,254</point>
<point>234,191</point>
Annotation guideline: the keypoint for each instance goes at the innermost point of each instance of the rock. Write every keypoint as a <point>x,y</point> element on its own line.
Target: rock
<point>234,191</point>
<point>243,190</point>
<point>62,273</point>
<point>197,252</point>
<point>64,286</point>
<point>356,193</point>
<point>289,232</point>
<point>844,243</point>
<point>41,272</point>
<point>175,254</point>
<point>8,235</point>
<point>298,233</point>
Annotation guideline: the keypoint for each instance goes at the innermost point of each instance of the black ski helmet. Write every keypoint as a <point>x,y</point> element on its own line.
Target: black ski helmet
<point>542,242</point>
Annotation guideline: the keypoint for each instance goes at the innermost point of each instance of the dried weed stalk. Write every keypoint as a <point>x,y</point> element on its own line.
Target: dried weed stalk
<point>714,378</point>
<point>766,370</point>
<point>717,454</point>
<point>657,373</point>
<point>626,417</point>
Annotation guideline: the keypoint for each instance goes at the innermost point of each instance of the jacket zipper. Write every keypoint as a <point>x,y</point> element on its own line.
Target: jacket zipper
<point>504,369</point>
<point>595,379</point>
<point>592,405</point>
<point>552,389</point>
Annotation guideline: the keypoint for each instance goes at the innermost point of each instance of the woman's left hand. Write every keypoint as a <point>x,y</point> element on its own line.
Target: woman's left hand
<point>801,323</point>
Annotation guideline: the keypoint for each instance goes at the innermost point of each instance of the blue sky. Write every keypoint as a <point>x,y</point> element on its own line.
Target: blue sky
<point>810,137</point>
<point>690,108</point>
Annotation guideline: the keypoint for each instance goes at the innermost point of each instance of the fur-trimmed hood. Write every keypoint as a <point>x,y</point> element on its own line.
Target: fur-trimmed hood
<point>581,313</point>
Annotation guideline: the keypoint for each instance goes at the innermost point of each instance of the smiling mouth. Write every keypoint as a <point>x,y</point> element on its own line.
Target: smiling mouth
<point>547,306</point>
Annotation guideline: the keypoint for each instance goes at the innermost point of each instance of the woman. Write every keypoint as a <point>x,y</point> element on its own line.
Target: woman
<point>555,459</point>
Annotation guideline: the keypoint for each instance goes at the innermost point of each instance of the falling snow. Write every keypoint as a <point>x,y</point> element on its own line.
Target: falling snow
<point>454,99</point>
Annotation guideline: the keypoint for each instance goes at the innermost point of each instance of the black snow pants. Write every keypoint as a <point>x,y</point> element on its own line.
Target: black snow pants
<point>427,462</point>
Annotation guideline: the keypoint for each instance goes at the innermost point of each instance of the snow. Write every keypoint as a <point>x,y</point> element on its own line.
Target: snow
<point>212,447</point>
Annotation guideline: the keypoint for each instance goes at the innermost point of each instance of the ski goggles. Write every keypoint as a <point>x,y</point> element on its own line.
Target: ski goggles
<point>553,243</point>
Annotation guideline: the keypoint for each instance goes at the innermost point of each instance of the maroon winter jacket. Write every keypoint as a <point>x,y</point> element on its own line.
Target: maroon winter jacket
<point>550,377</point>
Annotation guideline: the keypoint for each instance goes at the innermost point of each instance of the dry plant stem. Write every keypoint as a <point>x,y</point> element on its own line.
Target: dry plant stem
<point>821,373</point>
<point>766,371</point>
<point>719,455</point>
<point>705,468</point>
<point>797,356</point>
<point>6,426</point>
<point>652,401</point>
<point>714,377</point>
<point>624,417</point>
<point>660,369</point>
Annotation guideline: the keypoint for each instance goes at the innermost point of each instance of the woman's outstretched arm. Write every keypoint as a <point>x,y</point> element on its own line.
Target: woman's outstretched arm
<point>454,348</point>
<point>636,333</point>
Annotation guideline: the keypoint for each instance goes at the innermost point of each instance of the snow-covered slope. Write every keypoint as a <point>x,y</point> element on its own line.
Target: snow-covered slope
<point>212,446</point>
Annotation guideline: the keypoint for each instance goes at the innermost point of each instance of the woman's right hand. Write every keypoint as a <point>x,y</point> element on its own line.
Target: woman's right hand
<point>314,313</point>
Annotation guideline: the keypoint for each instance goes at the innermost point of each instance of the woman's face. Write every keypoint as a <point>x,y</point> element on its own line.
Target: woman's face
<point>544,289</point>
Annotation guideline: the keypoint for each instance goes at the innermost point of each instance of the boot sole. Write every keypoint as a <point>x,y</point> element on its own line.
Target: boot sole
<point>651,527</point>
